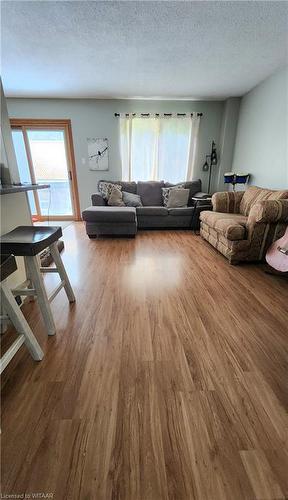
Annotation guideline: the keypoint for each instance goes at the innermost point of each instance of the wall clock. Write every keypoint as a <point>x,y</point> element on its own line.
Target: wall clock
<point>98,154</point>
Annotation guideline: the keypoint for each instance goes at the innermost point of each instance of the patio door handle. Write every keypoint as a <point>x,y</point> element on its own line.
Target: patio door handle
<point>70,175</point>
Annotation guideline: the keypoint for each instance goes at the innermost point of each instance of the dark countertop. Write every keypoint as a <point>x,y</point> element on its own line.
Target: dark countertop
<point>10,189</point>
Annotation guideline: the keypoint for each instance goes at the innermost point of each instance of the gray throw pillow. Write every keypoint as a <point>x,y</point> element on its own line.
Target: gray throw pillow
<point>166,191</point>
<point>131,200</point>
<point>178,198</point>
<point>115,198</point>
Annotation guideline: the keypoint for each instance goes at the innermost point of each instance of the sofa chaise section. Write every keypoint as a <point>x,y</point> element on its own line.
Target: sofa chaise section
<point>110,221</point>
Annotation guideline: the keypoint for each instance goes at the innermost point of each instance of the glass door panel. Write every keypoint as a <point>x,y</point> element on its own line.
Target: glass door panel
<point>23,165</point>
<point>48,154</point>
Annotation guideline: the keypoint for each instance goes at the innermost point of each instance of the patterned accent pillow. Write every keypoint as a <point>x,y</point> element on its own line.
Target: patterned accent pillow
<point>106,188</point>
<point>166,192</point>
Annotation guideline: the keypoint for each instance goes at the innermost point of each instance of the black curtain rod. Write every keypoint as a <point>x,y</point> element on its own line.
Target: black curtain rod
<point>158,114</point>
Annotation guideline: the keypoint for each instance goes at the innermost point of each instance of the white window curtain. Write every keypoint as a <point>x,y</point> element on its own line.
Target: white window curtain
<point>158,147</point>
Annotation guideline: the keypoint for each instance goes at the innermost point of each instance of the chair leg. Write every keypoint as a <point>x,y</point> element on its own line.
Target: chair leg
<point>62,271</point>
<point>36,277</point>
<point>30,298</point>
<point>20,322</point>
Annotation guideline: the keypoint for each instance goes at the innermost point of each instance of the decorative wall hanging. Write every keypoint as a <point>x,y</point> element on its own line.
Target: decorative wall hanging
<point>98,154</point>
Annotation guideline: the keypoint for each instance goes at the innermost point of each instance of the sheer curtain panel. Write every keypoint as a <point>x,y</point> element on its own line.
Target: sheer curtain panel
<point>156,147</point>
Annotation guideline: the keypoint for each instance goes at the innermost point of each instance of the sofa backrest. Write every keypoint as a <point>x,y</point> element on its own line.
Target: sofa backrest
<point>254,194</point>
<point>150,192</point>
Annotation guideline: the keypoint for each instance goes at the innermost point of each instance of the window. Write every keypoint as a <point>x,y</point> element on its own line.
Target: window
<point>44,155</point>
<point>157,147</point>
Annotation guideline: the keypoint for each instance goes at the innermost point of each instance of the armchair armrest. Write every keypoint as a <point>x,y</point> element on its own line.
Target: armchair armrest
<point>97,200</point>
<point>227,201</point>
<point>268,211</point>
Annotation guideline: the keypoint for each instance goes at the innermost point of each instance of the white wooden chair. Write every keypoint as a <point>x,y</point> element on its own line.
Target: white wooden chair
<point>15,315</point>
<point>29,241</point>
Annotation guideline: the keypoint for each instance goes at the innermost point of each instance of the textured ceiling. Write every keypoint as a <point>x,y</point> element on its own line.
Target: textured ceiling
<point>140,49</point>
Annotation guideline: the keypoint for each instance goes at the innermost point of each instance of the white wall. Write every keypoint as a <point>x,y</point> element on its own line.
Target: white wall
<point>9,169</point>
<point>227,142</point>
<point>14,208</point>
<point>95,118</point>
<point>261,147</point>
<point>15,212</point>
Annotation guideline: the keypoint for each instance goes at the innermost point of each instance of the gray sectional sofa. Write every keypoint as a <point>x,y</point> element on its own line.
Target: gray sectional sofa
<point>101,219</point>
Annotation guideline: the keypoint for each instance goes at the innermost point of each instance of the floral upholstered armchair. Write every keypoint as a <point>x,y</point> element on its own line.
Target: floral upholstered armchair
<point>243,224</point>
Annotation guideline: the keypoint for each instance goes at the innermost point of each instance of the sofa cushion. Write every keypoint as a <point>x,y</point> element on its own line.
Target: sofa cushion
<point>178,198</point>
<point>194,187</point>
<point>254,194</point>
<point>232,226</point>
<point>129,187</point>
<point>150,192</point>
<point>131,199</point>
<point>109,214</point>
<point>178,212</point>
<point>153,211</point>
<point>166,192</point>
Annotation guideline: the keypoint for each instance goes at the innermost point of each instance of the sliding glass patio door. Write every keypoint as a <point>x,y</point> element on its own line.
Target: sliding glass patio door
<point>45,156</point>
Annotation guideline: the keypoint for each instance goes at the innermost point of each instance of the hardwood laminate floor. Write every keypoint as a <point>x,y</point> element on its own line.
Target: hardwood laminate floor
<point>166,380</point>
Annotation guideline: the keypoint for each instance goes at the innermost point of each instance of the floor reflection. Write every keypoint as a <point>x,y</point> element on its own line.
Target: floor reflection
<point>154,272</point>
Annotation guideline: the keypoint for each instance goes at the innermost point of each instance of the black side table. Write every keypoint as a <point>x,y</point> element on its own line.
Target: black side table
<point>204,204</point>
